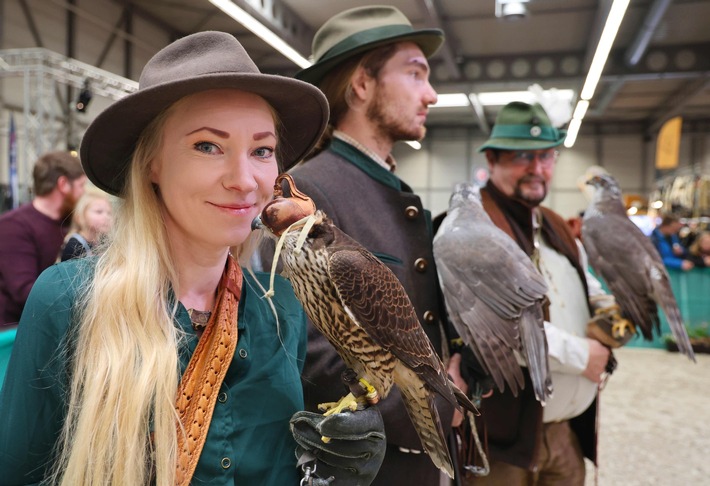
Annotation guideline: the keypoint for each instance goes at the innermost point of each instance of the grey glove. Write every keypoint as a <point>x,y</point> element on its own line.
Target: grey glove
<point>354,449</point>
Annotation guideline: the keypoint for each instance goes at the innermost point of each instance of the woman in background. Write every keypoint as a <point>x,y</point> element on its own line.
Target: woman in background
<point>91,221</point>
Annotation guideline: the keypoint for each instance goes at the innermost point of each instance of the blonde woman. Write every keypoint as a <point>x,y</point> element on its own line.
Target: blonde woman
<point>91,221</point>
<point>159,362</point>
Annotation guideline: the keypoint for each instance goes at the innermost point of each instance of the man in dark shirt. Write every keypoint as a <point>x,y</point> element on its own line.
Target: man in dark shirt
<point>32,234</point>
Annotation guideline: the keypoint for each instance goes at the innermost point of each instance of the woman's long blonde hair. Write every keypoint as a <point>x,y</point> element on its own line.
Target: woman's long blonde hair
<point>121,422</point>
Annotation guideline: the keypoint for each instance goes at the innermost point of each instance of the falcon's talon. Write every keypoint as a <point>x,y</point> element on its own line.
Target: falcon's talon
<point>348,402</point>
<point>620,326</point>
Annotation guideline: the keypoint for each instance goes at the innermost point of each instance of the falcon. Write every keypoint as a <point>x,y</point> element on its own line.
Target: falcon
<point>358,304</point>
<point>630,265</point>
<point>493,294</point>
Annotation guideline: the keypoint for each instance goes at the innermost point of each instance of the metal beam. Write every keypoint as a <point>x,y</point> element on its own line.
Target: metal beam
<point>282,20</point>
<point>676,102</point>
<point>447,51</point>
<point>31,23</point>
<point>112,38</point>
<point>106,26</point>
<point>643,36</point>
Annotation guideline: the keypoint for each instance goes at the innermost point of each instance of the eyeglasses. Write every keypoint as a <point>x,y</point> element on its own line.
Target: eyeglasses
<point>545,159</point>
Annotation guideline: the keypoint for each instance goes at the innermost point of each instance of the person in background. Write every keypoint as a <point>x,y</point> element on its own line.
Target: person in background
<point>530,443</point>
<point>699,251</point>
<point>667,241</point>
<point>33,234</point>
<point>91,221</point>
<point>373,68</point>
<point>159,361</point>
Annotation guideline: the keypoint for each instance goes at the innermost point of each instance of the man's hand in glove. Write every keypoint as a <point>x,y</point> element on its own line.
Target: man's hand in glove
<point>347,446</point>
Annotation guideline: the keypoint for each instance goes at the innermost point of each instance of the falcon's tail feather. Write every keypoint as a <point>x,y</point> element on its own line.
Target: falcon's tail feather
<point>667,302</point>
<point>463,400</point>
<point>420,405</point>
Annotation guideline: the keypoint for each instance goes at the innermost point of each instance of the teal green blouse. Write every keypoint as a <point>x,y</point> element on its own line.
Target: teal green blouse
<point>249,440</point>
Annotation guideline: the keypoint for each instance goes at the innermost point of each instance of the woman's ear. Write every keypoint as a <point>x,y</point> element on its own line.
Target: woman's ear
<point>154,171</point>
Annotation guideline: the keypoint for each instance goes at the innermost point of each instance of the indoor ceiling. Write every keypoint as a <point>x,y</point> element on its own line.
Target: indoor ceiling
<point>659,65</point>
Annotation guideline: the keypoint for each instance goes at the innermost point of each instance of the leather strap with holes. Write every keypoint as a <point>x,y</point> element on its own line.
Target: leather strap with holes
<point>200,384</point>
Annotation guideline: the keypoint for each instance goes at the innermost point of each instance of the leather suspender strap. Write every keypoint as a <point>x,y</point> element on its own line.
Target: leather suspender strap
<point>200,384</point>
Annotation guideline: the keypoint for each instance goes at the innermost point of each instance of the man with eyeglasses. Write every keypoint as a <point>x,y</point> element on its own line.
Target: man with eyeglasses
<point>529,443</point>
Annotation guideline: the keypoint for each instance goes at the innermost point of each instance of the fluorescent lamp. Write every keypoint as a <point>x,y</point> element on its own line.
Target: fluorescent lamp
<point>572,131</point>
<point>451,100</point>
<point>414,144</point>
<point>495,98</point>
<point>611,27</point>
<point>581,109</point>
<point>248,21</point>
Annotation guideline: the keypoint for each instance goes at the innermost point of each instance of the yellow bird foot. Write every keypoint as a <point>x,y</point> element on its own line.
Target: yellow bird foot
<point>621,326</point>
<point>348,402</point>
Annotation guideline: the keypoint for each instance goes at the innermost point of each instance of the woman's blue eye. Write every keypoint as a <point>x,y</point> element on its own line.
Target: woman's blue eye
<point>264,152</point>
<point>206,147</point>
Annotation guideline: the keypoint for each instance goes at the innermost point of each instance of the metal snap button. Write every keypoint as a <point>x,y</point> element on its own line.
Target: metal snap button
<point>226,463</point>
<point>242,353</point>
<point>222,397</point>
<point>411,212</point>
<point>420,264</point>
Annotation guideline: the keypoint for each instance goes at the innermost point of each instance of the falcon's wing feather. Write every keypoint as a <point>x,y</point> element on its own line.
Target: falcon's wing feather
<point>534,342</point>
<point>376,300</point>
<point>492,338</point>
<point>491,264</point>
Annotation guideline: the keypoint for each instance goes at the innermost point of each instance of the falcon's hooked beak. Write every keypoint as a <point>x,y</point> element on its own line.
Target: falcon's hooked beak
<point>282,212</point>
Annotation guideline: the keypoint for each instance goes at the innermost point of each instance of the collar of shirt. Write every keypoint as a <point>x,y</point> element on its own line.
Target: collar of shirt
<point>389,163</point>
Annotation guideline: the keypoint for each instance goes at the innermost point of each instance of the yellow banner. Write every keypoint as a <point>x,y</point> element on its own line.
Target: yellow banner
<point>668,144</point>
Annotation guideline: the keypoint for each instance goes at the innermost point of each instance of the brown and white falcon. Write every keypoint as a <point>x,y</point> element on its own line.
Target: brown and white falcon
<point>364,312</point>
<point>493,293</point>
<point>630,265</point>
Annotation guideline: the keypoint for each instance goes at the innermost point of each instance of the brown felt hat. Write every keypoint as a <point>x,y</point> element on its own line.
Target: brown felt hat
<point>360,29</point>
<point>196,63</point>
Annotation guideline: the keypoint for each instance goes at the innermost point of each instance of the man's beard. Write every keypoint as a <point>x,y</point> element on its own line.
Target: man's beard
<point>68,205</point>
<point>395,129</point>
<point>530,201</point>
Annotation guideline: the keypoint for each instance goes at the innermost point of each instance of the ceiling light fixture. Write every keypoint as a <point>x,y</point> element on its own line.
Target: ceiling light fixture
<point>511,9</point>
<point>611,28</point>
<point>259,29</point>
<point>496,98</point>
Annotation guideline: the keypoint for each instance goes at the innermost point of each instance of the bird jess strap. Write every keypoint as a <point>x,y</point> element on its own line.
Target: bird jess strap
<point>200,384</point>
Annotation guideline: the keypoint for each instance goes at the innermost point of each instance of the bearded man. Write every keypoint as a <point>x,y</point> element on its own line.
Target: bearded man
<point>529,443</point>
<point>32,234</point>
<point>372,66</point>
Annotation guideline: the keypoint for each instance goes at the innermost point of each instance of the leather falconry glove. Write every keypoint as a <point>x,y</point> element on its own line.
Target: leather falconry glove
<point>347,448</point>
<point>609,327</point>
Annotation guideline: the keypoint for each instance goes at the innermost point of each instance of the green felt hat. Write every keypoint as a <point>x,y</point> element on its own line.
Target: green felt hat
<point>361,29</point>
<point>520,126</point>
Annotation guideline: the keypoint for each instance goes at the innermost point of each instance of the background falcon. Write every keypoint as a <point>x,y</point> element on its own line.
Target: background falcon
<point>493,294</point>
<point>630,265</point>
<point>362,309</point>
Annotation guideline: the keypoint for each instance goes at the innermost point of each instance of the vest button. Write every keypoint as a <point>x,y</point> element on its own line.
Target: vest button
<point>429,317</point>
<point>420,265</point>
<point>226,463</point>
<point>222,397</point>
<point>243,353</point>
<point>412,212</point>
